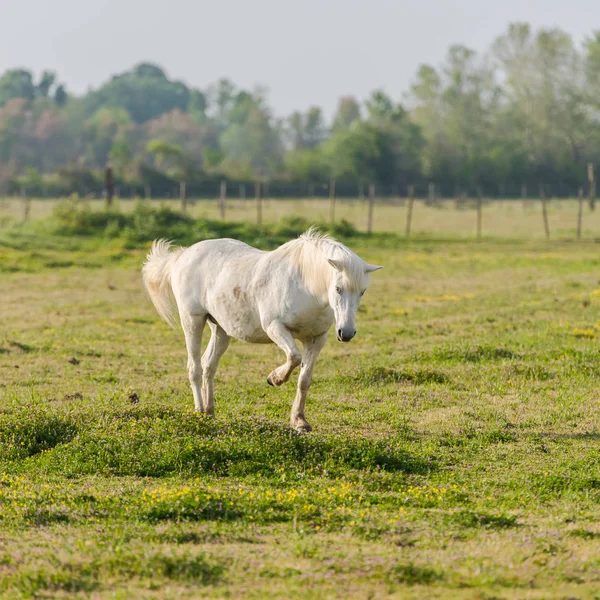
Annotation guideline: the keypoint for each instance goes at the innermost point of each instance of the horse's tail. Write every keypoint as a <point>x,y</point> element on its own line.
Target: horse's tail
<point>156,274</point>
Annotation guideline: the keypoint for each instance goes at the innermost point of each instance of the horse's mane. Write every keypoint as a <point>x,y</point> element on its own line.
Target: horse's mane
<point>309,254</point>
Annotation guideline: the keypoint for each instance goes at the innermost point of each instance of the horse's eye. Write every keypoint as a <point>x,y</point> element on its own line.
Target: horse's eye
<point>338,290</point>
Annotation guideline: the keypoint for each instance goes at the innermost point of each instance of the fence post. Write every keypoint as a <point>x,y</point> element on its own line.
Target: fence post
<point>411,201</point>
<point>371,206</point>
<point>591,186</point>
<point>479,213</point>
<point>183,195</point>
<point>26,204</point>
<point>258,203</point>
<point>544,211</point>
<point>431,193</point>
<point>109,186</point>
<point>242,191</point>
<point>222,196</point>
<point>332,201</point>
<point>580,212</point>
<point>524,195</point>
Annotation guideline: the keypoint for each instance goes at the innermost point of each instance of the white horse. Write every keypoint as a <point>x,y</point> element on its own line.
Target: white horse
<point>294,292</point>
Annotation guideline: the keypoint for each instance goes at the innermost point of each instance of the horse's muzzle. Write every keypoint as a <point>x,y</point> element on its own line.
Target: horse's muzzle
<point>345,336</point>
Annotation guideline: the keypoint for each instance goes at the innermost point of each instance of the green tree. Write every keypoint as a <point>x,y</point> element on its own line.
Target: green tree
<point>305,130</point>
<point>176,161</point>
<point>546,113</point>
<point>251,144</point>
<point>60,96</point>
<point>47,80</point>
<point>16,83</point>
<point>315,131</point>
<point>455,108</point>
<point>101,132</point>
<point>197,106</point>
<point>348,111</point>
<point>31,182</point>
<point>307,164</point>
<point>171,158</point>
<point>222,97</point>
<point>145,93</point>
<point>120,156</point>
<point>295,130</point>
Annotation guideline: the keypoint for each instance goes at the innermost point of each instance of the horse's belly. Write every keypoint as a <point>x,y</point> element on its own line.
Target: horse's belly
<point>247,332</point>
<point>238,319</point>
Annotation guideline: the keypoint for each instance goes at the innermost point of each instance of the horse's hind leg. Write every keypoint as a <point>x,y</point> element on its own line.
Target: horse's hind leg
<point>193,326</point>
<point>278,332</point>
<point>219,341</point>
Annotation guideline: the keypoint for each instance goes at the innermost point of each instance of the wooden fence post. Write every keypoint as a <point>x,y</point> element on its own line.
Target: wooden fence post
<point>222,197</point>
<point>258,203</point>
<point>580,212</point>
<point>26,204</point>
<point>524,195</point>
<point>332,201</point>
<point>431,193</point>
<point>109,186</point>
<point>479,213</point>
<point>544,211</point>
<point>183,195</point>
<point>371,206</point>
<point>591,186</point>
<point>411,201</point>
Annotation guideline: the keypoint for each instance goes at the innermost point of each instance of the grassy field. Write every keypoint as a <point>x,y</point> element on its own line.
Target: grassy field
<point>455,451</point>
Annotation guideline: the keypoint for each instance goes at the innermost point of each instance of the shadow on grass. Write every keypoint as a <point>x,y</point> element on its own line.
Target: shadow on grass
<point>473,354</point>
<point>384,375</point>
<point>471,519</point>
<point>155,442</point>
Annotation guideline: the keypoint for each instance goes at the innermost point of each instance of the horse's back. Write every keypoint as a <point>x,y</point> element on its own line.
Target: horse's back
<point>215,277</point>
<point>217,254</point>
<point>222,246</point>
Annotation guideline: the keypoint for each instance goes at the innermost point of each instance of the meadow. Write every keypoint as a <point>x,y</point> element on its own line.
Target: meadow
<point>455,451</point>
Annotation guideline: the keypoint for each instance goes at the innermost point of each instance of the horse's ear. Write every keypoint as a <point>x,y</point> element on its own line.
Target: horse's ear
<point>336,264</point>
<point>371,268</point>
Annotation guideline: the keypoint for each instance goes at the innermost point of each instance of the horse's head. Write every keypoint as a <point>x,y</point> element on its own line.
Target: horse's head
<point>347,286</point>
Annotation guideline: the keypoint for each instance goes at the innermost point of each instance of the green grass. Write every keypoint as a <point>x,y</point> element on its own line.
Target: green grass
<point>455,450</point>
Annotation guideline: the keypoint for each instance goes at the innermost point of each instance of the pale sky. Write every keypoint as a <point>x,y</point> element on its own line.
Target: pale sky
<point>304,51</point>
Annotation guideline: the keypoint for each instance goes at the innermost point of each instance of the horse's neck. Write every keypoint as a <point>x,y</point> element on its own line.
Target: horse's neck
<point>310,259</point>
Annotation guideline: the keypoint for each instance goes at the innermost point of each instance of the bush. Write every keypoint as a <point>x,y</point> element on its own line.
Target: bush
<point>145,223</point>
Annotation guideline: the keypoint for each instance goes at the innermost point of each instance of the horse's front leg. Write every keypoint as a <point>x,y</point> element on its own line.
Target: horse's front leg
<point>278,332</point>
<point>312,350</point>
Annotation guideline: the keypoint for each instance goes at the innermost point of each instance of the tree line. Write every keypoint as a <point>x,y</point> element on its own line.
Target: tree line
<point>525,112</point>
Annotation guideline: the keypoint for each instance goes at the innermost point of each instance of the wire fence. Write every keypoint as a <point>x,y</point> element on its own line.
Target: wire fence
<point>474,217</point>
<point>212,188</point>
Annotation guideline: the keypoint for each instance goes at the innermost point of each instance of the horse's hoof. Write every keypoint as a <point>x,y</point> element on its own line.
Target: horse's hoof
<point>270,382</point>
<point>302,427</point>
